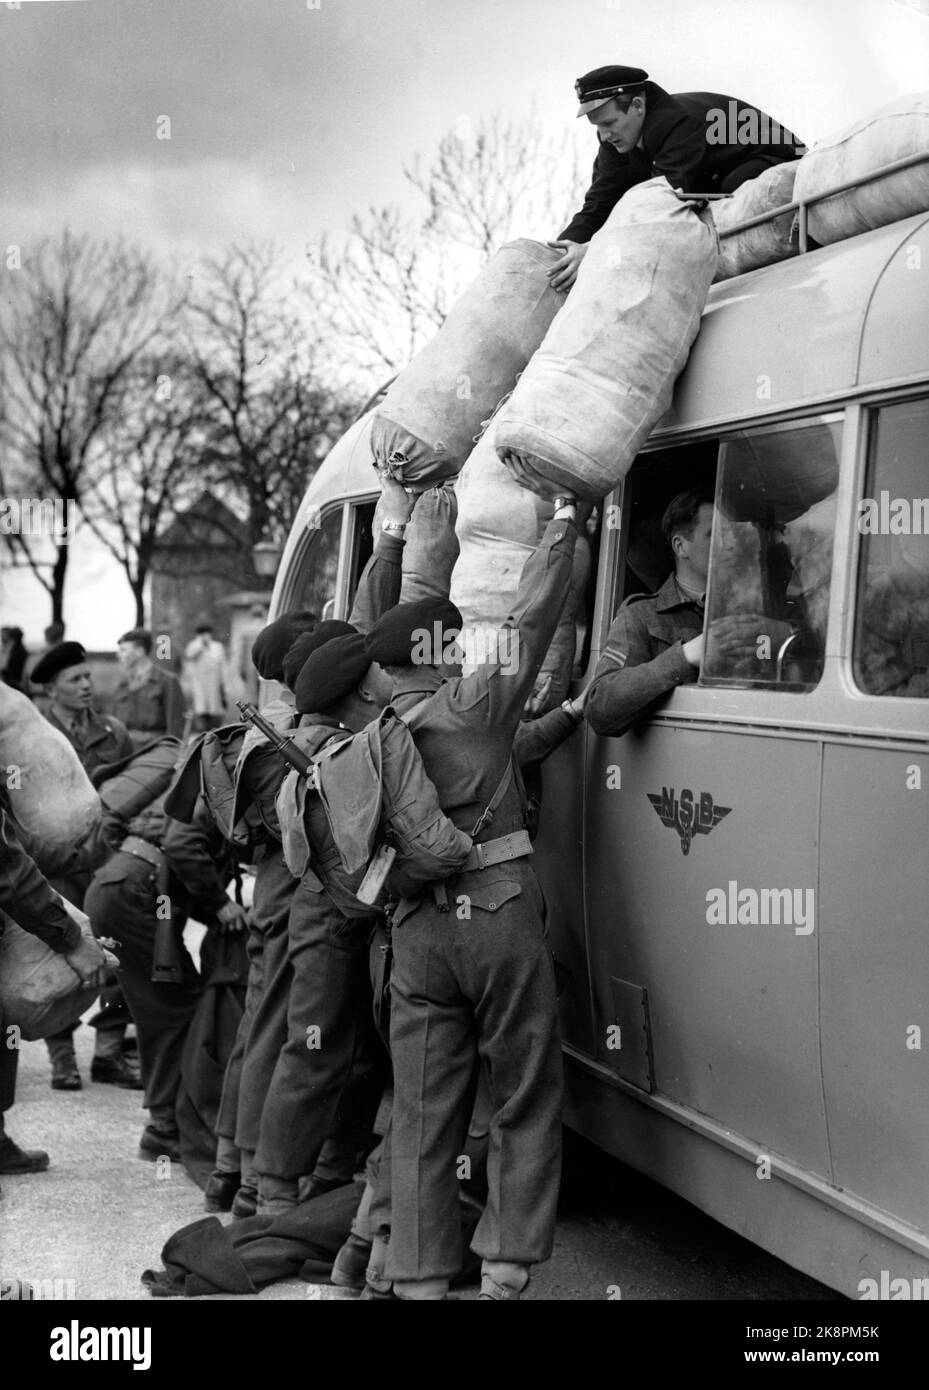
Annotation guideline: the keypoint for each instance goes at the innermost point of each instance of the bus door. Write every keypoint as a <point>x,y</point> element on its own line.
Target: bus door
<point>701,847</point>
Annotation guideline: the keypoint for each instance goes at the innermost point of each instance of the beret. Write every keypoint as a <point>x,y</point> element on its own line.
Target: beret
<point>273,642</point>
<point>57,659</point>
<point>602,84</point>
<point>307,643</point>
<point>331,672</point>
<point>391,641</point>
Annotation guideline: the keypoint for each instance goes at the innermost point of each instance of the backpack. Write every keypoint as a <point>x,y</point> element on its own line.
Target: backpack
<point>375,789</point>
<point>209,771</point>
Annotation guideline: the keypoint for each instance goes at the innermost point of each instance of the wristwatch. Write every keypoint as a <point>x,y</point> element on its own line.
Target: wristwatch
<point>564,501</point>
<point>568,707</point>
<point>398,526</point>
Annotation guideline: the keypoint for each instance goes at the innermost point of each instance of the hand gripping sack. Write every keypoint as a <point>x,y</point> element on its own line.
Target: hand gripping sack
<point>605,372</point>
<point>50,794</point>
<point>39,992</point>
<point>431,547</point>
<point>425,427</point>
<point>767,243</point>
<point>895,131</point>
<point>499,525</point>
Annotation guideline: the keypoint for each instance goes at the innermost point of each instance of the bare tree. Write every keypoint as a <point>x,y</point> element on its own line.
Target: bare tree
<point>269,415</point>
<point>73,320</point>
<point>145,467</point>
<point>387,289</point>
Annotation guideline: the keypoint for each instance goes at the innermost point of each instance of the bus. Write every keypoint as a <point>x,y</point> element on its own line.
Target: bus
<point>738,887</point>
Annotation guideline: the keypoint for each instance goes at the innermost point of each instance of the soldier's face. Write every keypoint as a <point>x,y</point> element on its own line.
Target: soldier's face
<point>74,689</point>
<point>619,128</point>
<point>696,547</point>
<point>129,654</point>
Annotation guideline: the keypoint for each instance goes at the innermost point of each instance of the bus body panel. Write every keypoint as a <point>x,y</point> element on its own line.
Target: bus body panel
<point>733,1005</point>
<point>874,945</point>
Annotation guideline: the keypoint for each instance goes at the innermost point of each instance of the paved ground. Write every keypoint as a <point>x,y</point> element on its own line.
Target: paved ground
<point>100,1215</point>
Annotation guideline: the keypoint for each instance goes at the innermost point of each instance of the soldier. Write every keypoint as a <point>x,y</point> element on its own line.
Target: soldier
<point>162,866</point>
<point>472,974</point>
<point>324,1090</point>
<point>263,1026</point>
<point>65,677</point>
<point>656,641</point>
<point>702,142</point>
<point>31,902</point>
<point>148,700</point>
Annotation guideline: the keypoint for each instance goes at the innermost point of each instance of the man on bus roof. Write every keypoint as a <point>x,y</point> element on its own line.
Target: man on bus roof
<point>702,142</point>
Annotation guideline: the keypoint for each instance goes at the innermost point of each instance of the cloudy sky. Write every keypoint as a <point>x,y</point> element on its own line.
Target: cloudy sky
<point>287,117</point>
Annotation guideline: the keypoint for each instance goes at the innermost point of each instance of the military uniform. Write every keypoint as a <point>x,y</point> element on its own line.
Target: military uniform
<point>892,647</point>
<point>152,708</point>
<point>189,864</point>
<point>643,657</point>
<point>98,740</point>
<point>325,1095</point>
<point>472,974</point>
<point>674,142</point>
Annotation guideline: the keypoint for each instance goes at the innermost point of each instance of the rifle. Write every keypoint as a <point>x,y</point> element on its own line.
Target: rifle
<point>281,742</point>
<point>369,889</point>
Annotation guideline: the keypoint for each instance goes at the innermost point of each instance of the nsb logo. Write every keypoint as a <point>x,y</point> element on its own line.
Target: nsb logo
<point>689,814</point>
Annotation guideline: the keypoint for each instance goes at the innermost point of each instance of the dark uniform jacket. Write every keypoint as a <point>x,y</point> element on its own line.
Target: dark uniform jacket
<point>643,658</point>
<point>26,895</point>
<point>156,707</point>
<point>99,739</point>
<point>674,143</point>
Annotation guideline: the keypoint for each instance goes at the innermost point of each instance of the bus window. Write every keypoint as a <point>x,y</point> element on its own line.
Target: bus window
<point>891,645</point>
<point>771,559</point>
<point>362,544</point>
<point>655,479</point>
<point>318,565</point>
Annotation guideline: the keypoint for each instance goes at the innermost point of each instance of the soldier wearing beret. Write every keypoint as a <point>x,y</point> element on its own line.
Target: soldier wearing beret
<point>702,142</point>
<point>320,1102</point>
<point>472,974</point>
<point>65,675</point>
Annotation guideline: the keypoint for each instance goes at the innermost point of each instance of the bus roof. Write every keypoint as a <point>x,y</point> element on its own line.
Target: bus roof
<point>833,322</point>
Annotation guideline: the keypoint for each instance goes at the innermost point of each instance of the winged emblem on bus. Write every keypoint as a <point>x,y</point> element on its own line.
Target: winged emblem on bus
<point>690,814</point>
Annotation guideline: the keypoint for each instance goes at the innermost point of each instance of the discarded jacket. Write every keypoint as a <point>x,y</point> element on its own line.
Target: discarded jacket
<point>425,427</point>
<point>605,372</point>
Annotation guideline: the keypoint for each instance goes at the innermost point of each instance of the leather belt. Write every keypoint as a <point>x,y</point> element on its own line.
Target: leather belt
<point>134,844</point>
<point>516,845</point>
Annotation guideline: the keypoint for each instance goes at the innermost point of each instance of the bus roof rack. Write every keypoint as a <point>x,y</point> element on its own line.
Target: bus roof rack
<point>800,206</point>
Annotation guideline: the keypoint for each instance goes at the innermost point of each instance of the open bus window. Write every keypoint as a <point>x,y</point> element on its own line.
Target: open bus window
<point>771,557</point>
<point>318,565</point>
<point>891,644</point>
<point>656,478</point>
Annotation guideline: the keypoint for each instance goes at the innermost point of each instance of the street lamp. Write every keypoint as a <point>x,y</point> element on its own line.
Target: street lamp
<point>266,556</point>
